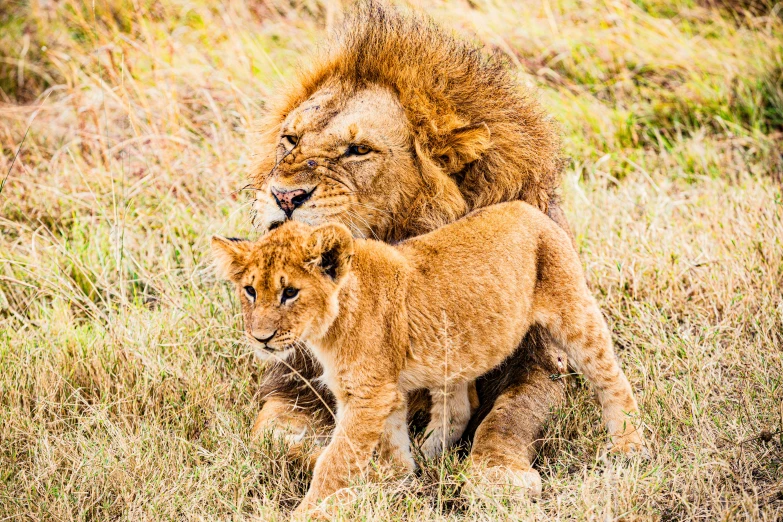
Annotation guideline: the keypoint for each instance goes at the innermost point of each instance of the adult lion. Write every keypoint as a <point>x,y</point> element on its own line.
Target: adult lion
<point>396,129</point>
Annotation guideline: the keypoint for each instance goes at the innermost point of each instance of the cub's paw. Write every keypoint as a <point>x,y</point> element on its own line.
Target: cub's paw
<point>503,482</point>
<point>308,511</point>
<point>306,454</point>
<point>630,443</point>
<point>327,509</point>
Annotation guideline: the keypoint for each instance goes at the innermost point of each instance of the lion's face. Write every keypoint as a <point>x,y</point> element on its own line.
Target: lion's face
<point>340,159</point>
<point>288,281</point>
<point>398,128</point>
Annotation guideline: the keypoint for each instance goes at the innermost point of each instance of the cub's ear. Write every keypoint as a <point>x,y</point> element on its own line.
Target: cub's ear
<point>463,146</point>
<point>230,255</point>
<point>330,248</point>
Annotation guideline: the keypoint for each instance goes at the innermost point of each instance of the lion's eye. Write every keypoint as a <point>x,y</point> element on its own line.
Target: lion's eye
<point>251,293</point>
<point>291,140</point>
<point>289,293</point>
<point>358,150</point>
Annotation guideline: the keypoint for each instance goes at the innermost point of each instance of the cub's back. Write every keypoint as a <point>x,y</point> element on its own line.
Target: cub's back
<point>484,240</point>
<point>489,255</point>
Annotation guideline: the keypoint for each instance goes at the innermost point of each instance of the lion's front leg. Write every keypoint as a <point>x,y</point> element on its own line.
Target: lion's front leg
<point>505,442</point>
<point>298,406</point>
<point>282,419</point>
<point>361,421</point>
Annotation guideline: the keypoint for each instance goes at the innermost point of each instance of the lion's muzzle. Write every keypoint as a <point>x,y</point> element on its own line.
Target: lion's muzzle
<point>290,199</point>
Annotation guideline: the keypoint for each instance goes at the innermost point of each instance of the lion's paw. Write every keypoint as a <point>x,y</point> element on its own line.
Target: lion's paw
<point>432,447</point>
<point>629,450</point>
<point>500,481</point>
<point>291,433</point>
<point>277,419</point>
<point>306,454</point>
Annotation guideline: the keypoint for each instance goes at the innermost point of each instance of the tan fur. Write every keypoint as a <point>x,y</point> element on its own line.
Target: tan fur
<point>439,309</point>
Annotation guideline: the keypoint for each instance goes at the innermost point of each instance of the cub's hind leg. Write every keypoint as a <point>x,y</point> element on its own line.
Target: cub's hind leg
<point>449,417</point>
<point>582,331</point>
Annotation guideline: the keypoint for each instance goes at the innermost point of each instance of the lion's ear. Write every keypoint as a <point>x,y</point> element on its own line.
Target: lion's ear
<point>230,256</point>
<point>463,146</point>
<point>330,248</point>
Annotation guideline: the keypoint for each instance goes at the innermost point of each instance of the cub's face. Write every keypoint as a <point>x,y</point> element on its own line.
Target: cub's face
<point>288,282</point>
<point>340,157</point>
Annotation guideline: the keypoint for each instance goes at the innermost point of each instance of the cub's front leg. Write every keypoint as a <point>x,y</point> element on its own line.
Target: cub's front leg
<point>449,417</point>
<point>394,448</point>
<point>361,419</point>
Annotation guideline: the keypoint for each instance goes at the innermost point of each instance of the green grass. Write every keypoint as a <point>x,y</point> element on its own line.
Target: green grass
<point>126,390</point>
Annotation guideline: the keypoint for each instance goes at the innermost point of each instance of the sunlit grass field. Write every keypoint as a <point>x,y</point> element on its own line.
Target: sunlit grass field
<point>126,389</point>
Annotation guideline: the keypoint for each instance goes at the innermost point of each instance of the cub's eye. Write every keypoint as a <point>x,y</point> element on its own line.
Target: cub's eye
<point>251,293</point>
<point>357,150</point>
<point>289,293</point>
<point>291,140</point>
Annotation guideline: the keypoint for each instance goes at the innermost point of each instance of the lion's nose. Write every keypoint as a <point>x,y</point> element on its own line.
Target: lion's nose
<point>291,199</point>
<point>264,337</point>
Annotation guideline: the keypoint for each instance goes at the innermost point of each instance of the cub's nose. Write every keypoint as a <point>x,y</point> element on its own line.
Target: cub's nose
<point>290,199</point>
<point>264,337</point>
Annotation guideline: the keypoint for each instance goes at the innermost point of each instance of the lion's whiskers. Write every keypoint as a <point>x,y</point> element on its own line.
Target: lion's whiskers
<point>365,205</point>
<point>354,214</point>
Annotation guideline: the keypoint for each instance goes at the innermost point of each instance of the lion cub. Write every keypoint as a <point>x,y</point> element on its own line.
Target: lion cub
<point>435,312</point>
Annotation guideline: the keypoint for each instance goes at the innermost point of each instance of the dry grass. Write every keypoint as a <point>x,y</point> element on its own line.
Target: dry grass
<point>125,389</point>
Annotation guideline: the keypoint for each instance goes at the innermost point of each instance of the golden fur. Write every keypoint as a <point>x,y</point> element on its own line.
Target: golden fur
<point>427,313</point>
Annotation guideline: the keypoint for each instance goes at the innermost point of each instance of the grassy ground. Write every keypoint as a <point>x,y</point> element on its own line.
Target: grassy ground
<point>125,388</point>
